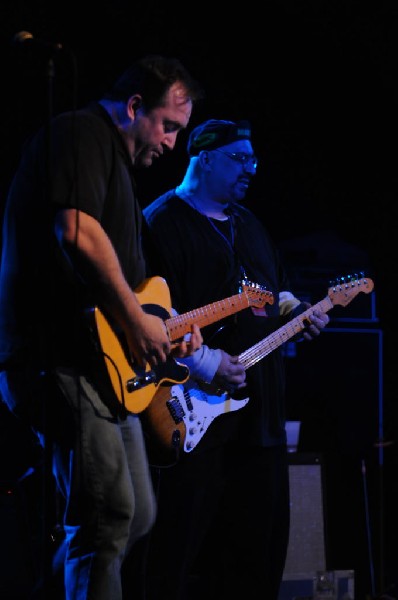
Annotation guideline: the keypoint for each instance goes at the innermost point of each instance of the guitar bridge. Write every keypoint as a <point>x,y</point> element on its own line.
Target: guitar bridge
<point>139,382</point>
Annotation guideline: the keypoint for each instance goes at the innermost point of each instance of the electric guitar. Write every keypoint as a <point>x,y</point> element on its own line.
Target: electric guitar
<point>179,416</point>
<point>134,386</point>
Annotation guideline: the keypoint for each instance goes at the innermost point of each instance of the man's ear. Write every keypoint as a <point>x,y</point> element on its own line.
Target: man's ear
<point>133,104</point>
<point>204,159</point>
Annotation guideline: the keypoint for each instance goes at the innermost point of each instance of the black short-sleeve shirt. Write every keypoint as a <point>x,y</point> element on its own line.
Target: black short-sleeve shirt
<point>83,163</point>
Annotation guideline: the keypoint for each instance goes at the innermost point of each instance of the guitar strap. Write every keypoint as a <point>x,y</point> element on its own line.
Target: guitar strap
<point>227,230</point>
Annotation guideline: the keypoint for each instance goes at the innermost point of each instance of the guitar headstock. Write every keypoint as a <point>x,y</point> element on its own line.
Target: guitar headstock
<point>345,289</point>
<point>257,294</point>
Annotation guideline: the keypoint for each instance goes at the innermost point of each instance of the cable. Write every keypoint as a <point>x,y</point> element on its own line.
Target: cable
<point>368,529</point>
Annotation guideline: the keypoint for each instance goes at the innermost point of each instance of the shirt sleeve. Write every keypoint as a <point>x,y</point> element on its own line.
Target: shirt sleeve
<point>203,364</point>
<point>287,303</point>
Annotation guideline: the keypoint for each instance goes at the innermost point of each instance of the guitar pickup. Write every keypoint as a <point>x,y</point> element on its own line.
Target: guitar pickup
<point>176,410</point>
<point>187,398</point>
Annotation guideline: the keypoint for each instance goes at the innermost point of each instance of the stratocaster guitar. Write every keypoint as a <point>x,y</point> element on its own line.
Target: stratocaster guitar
<point>179,416</point>
<point>134,386</point>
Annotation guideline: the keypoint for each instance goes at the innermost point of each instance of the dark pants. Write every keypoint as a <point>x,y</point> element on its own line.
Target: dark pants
<point>100,465</point>
<point>222,527</point>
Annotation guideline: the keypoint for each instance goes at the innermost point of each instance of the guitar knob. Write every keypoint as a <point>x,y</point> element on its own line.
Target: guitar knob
<point>192,430</point>
<point>192,416</point>
<point>190,446</point>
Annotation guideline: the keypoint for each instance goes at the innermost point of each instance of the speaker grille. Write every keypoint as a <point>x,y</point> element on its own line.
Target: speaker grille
<point>306,549</point>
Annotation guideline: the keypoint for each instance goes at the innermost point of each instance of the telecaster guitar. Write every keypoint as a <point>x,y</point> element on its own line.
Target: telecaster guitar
<point>135,387</point>
<point>180,416</point>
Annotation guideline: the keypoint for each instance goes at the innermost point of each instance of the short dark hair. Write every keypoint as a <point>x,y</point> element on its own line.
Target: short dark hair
<point>151,76</point>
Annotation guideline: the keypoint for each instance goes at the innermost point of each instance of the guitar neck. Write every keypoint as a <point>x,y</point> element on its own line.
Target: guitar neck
<point>179,325</point>
<point>283,334</point>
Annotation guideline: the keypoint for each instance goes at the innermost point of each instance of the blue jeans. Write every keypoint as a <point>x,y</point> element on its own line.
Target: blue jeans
<point>101,468</point>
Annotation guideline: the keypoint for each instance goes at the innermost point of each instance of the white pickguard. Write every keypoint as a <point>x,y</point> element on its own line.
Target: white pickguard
<point>199,409</point>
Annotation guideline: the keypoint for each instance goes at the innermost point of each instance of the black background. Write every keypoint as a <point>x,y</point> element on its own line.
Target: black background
<point>318,81</point>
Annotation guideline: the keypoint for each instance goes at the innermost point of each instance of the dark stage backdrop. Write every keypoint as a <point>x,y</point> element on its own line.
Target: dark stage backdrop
<point>318,81</point>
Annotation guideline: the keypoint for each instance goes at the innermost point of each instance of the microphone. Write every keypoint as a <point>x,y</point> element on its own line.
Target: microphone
<point>25,38</point>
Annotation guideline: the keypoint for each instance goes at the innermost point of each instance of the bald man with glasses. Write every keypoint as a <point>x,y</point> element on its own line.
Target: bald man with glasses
<point>223,508</point>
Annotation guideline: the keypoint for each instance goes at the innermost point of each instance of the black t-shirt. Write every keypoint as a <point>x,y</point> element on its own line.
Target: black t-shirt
<point>202,260</point>
<point>42,301</point>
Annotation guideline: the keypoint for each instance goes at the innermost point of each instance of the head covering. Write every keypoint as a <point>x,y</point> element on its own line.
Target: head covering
<point>213,133</point>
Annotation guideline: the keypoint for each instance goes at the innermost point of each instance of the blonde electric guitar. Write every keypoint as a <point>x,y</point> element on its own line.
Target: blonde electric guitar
<point>134,386</point>
<point>179,416</point>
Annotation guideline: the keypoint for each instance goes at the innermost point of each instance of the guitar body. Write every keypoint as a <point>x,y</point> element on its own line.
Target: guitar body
<point>154,287</point>
<point>135,387</point>
<point>179,416</point>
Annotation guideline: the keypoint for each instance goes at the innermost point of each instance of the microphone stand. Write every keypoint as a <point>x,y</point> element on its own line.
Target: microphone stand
<point>48,484</point>
<point>52,529</point>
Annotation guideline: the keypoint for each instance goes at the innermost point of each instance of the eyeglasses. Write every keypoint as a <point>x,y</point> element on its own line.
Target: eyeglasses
<point>241,157</point>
